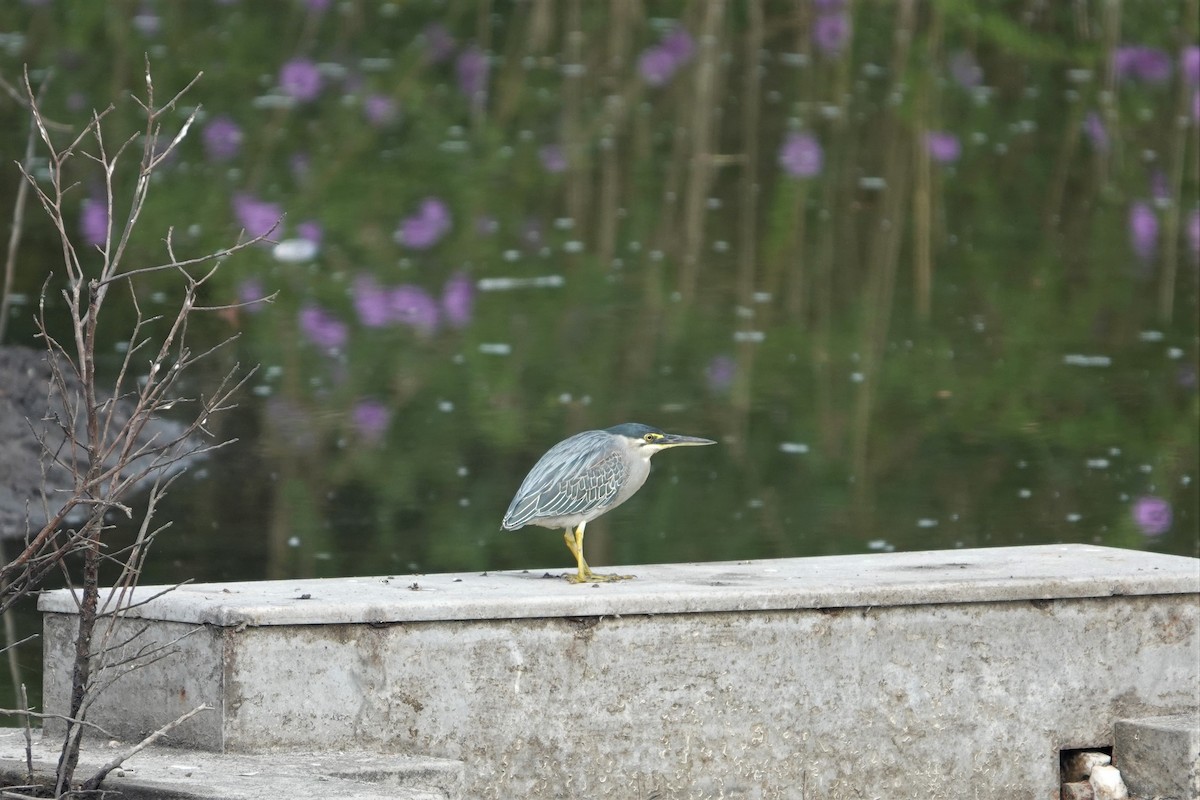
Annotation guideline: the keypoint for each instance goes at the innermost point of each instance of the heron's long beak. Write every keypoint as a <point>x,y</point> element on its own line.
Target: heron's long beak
<point>677,440</point>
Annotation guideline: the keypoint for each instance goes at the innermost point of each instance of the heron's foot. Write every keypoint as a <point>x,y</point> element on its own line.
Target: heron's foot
<point>586,575</point>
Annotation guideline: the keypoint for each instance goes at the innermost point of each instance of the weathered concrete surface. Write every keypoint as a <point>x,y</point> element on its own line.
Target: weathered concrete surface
<point>855,581</point>
<point>1159,757</point>
<point>829,678</point>
<point>163,772</point>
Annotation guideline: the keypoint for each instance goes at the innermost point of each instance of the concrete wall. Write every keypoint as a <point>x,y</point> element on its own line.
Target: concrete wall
<point>791,692</point>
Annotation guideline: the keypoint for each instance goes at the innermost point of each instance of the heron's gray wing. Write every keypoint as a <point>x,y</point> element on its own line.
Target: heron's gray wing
<point>577,475</point>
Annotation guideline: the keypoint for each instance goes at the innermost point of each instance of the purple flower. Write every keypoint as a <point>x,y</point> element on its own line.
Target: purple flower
<point>380,110</point>
<point>553,158</point>
<point>1124,60</point>
<point>1143,230</point>
<point>310,230</point>
<point>300,79</point>
<point>257,217</point>
<point>679,45</point>
<point>655,66</point>
<point>1145,64</point>
<point>965,70</point>
<point>222,139</point>
<point>426,228</point>
<point>251,293</point>
<point>1094,130</point>
<point>435,211</point>
<point>411,305</point>
<point>801,155</point>
<point>943,146</point>
<point>658,64</point>
<point>318,6</point>
<point>322,328</point>
<point>379,306</point>
<point>1189,63</point>
<point>458,297</point>
<point>472,69</point>
<point>93,221</point>
<point>831,31</point>
<point>439,44</point>
<point>1152,515</point>
<point>371,419</point>
<point>1193,233</point>
<point>371,302</point>
<point>719,373</point>
<point>1154,66</point>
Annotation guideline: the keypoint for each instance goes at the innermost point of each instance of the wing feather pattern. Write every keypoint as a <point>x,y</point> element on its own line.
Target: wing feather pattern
<point>579,474</point>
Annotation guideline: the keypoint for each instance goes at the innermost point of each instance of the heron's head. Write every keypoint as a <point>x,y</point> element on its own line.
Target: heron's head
<point>648,440</point>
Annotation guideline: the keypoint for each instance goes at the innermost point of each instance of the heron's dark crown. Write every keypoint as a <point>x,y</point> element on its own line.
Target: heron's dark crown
<point>634,430</point>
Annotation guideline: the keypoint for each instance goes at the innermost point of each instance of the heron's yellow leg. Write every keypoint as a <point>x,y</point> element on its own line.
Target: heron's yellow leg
<point>569,538</point>
<point>574,540</point>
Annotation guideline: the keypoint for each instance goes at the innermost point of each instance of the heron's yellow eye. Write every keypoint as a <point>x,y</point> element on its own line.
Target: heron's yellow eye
<point>652,437</point>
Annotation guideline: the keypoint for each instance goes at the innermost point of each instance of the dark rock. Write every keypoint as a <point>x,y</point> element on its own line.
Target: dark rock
<point>32,410</point>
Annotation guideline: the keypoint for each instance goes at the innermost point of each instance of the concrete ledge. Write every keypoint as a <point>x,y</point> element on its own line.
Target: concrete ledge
<point>856,581</point>
<point>891,675</point>
<point>1159,757</point>
<point>165,773</point>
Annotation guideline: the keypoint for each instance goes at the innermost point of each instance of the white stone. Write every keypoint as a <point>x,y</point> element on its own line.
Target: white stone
<point>1079,766</point>
<point>1107,784</point>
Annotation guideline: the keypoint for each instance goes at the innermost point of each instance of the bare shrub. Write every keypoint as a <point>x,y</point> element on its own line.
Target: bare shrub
<point>98,445</point>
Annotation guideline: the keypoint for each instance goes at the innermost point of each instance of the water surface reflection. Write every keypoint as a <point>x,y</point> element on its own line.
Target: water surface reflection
<point>927,271</point>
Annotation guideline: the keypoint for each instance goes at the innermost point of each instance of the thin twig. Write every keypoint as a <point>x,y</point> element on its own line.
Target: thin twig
<point>95,781</point>
<point>14,236</point>
<point>15,95</point>
<point>187,262</point>
<point>13,645</point>
<point>28,735</point>
<point>16,712</point>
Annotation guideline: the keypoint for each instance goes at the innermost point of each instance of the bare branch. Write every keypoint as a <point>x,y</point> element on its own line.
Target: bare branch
<point>14,236</point>
<point>18,712</point>
<point>188,262</point>
<point>171,103</point>
<point>18,643</point>
<point>15,95</point>
<point>95,781</point>
<point>28,735</point>
<point>244,304</point>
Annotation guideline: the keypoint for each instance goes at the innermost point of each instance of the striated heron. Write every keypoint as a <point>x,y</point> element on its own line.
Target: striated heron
<point>584,476</point>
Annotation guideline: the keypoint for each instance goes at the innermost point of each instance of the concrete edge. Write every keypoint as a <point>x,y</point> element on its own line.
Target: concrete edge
<point>1050,572</point>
